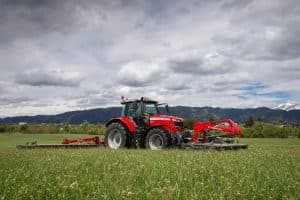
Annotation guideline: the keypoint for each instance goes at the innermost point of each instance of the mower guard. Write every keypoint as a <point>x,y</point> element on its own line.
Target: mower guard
<point>213,146</point>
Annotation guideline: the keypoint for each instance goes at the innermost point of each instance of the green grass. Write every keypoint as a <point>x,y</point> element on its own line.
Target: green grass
<point>269,169</point>
<point>10,140</point>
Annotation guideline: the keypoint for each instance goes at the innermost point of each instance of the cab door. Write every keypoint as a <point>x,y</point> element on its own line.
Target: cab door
<point>134,112</point>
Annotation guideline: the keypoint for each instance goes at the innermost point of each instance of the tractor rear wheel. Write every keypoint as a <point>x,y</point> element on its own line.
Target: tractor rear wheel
<point>157,139</point>
<point>115,136</point>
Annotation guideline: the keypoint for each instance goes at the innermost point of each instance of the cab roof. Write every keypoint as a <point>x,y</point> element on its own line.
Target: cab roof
<point>144,99</point>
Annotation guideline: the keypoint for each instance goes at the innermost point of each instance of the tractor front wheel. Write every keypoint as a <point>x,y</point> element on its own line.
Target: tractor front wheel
<point>157,139</point>
<point>115,136</point>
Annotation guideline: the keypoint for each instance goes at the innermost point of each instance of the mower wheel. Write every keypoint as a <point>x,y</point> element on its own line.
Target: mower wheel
<point>157,139</point>
<point>115,136</point>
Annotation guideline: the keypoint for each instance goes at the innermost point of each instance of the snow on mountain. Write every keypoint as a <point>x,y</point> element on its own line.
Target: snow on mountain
<point>288,106</point>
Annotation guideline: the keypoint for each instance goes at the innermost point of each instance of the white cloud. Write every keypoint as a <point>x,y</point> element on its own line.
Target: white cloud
<point>38,77</point>
<point>183,52</point>
<point>140,74</point>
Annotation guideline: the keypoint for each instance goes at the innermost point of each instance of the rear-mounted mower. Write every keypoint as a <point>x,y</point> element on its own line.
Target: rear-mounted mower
<point>142,126</point>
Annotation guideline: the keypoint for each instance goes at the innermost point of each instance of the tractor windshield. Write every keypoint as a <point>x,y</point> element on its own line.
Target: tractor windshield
<point>151,108</point>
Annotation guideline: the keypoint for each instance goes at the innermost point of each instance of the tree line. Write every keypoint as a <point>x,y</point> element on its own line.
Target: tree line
<point>252,128</point>
<point>84,128</point>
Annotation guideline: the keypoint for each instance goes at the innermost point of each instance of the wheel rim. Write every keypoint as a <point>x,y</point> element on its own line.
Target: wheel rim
<point>114,139</point>
<point>156,142</point>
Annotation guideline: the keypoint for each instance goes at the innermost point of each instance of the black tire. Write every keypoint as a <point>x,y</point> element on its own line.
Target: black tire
<point>157,138</point>
<point>116,136</point>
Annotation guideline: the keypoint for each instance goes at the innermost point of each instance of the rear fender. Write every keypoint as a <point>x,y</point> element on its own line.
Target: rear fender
<point>125,121</point>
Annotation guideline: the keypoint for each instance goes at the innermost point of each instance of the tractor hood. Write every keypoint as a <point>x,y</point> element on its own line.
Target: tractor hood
<point>165,117</point>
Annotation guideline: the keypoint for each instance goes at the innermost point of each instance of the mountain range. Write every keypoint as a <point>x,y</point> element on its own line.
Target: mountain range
<point>102,115</point>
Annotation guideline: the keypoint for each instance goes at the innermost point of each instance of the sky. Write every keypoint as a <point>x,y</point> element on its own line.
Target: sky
<point>58,56</point>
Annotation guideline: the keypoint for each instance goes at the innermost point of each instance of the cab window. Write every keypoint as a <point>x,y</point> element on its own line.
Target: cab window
<point>131,112</point>
<point>151,108</point>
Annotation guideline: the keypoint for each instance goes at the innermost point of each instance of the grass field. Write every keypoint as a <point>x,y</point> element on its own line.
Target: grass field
<point>269,169</point>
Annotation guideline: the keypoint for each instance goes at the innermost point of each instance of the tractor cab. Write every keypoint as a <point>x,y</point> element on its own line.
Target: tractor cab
<point>139,111</point>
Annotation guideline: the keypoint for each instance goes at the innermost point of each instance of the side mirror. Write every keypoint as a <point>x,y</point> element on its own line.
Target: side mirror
<point>134,105</point>
<point>167,108</point>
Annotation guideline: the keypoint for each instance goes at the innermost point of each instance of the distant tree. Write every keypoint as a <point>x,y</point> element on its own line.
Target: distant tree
<point>24,128</point>
<point>249,121</point>
<point>259,119</point>
<point>189,123</point>
<point>84,127</point>
<point>66,127</point>
<point>211,117</point>
<point>3,129</point>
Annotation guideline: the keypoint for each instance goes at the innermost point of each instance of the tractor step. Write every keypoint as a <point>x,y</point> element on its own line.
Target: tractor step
<point>56,146</point>
<point>213,146</point>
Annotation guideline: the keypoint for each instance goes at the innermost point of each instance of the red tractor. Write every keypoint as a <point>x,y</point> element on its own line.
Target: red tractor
<point>142,125</point>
